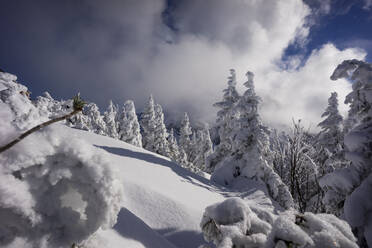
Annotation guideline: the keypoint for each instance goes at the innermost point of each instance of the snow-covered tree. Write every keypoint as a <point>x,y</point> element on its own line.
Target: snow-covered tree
<point>250,145</point>
<point>301,172</point>
<point>110,119</point>
<point>330,139</point>
<point>48,106</point>
<point>96,123</point>
<point>185,133</point>
<point>351,187</point>
<point>224,123</point>
<point>128,127</point>
<point>160,134</point>
<point>174,152</point>
<point>148,124</point>
<point>80,121</point>
<point>204,148</point>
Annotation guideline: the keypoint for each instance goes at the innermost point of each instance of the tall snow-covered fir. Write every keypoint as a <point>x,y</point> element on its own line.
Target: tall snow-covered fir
<point>225,121</point>
<point>350,188</point>
<point>110,116</point>
<point>250,144</point>
<point>148,124</point>
<point>128,126</point>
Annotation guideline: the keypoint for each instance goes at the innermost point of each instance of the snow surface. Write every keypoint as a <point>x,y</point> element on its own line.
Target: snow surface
<point>163,203</point>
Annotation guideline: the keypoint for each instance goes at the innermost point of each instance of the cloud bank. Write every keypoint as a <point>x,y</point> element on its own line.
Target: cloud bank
<point>181,51</point>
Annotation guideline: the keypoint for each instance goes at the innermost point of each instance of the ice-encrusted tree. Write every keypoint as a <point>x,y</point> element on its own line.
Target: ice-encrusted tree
<point>160,133</point>
<point>48,106</point>
<point>185,133</point>
<point>128,126</point>
<point>109,116</point>
<point>250,144</point>
<point>204,148</point>
<point>174,152</point>
<point>148,124</point>
<point>351,187</point>
<point>224,123</point>
<point>330,139</point>
<point>80,121</point>
<point>96,123</point>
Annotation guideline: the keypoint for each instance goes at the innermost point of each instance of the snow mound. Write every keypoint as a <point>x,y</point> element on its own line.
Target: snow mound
<point>57,193</point>
<point>233,223</point>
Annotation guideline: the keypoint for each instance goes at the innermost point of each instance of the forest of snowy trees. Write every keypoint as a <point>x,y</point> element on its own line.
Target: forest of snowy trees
<point>309,172</point>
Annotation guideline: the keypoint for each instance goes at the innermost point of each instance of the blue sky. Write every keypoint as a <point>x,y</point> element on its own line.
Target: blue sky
<point>347,24</point>
<point>181,51</point>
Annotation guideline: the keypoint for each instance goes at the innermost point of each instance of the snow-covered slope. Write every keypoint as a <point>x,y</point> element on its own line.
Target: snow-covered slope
<point>163,203</point>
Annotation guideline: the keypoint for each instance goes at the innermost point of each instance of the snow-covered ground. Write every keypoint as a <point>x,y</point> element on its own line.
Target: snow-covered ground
<point>163,203</point>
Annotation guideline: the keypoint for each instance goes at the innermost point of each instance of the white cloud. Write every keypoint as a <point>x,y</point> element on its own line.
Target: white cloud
<point>303,93</point>
<point>120,50</point>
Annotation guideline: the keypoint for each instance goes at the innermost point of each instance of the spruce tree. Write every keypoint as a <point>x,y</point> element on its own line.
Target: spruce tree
<point>225,119</point>
<point>174,152</point>
<point>160,134</point>
<point>250,145</point>
<point>109,118</point>
<point>95,123</point>
<point>330,139</point>
<point>350,187</point>
<point>185,133</point>
<point>148,125</point>
<point>129,128</point>
<point>204,148</point>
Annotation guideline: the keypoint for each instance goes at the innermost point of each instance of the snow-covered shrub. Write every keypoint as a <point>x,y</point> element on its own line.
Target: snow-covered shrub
<point>234,223</point>
<point>351,187</point>
<point>52,108</point>
<point>55,190</point>
<point>61,190</point>
<point>293,159</point>
<point>16,97</point>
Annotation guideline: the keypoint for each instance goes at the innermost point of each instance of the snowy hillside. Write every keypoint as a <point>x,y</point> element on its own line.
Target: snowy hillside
<point>69,185</point>
<point>163,203</point>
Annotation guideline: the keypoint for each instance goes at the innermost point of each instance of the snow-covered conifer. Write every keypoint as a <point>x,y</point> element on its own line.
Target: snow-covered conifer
<point>96,123</point>
<point>204,147</point>
<point>249,147</point>
<point>224,123</point>
<point>351,187</point>
<point>128,127</point>
<point>110,119</point>
<point>148,124</point>
<point>185,133</point>
<point>330,139</point>
<point>174,152</point>
<point>161,134</point>
<point>48,106</point>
